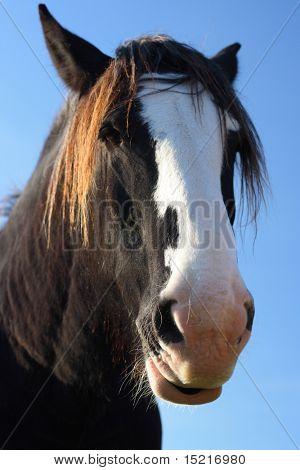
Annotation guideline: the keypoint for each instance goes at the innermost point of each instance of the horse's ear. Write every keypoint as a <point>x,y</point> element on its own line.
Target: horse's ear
<point>78,62</point>
<point>226,59</point>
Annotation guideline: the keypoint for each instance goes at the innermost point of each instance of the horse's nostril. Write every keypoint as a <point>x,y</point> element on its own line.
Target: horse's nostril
<point>249,306</point>
<point>164,323</point>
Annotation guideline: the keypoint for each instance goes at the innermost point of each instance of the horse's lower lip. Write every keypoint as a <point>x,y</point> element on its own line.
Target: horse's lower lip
<point>166,390</point>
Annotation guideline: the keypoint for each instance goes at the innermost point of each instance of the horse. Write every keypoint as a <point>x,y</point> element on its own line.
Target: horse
<point>119,280</point>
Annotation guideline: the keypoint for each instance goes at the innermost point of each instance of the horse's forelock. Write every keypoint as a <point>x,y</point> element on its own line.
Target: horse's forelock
<point>74,173</point>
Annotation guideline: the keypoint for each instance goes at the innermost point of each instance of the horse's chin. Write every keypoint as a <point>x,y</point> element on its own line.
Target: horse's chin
<point>168,391</point>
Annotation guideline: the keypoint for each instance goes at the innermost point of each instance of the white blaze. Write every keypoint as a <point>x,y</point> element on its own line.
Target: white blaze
<point>189,155</point>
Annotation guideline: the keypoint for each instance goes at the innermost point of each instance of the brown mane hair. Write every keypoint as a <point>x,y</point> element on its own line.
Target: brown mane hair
<point>74,173</point>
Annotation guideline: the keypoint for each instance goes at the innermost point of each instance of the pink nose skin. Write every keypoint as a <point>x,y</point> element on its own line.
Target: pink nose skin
<point>200,344</point>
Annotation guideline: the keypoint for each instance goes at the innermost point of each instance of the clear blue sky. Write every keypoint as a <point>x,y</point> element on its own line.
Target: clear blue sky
<point>241,418</point>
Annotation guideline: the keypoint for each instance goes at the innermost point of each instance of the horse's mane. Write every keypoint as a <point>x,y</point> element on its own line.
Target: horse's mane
<point>7,204</point>
<point>73,177</point>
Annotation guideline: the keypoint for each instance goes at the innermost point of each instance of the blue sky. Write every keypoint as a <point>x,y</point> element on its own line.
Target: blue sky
<point>259,407</point>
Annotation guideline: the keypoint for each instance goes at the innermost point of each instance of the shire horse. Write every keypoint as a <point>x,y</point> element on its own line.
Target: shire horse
<point>118,274</point>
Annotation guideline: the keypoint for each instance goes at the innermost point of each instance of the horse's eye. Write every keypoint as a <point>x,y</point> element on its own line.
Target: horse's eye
<point>110,135</point>
<point>233,142</point>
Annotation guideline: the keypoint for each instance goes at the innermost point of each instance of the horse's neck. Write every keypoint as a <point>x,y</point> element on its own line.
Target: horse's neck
<point>52,301</point>
<point>30,273</point>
